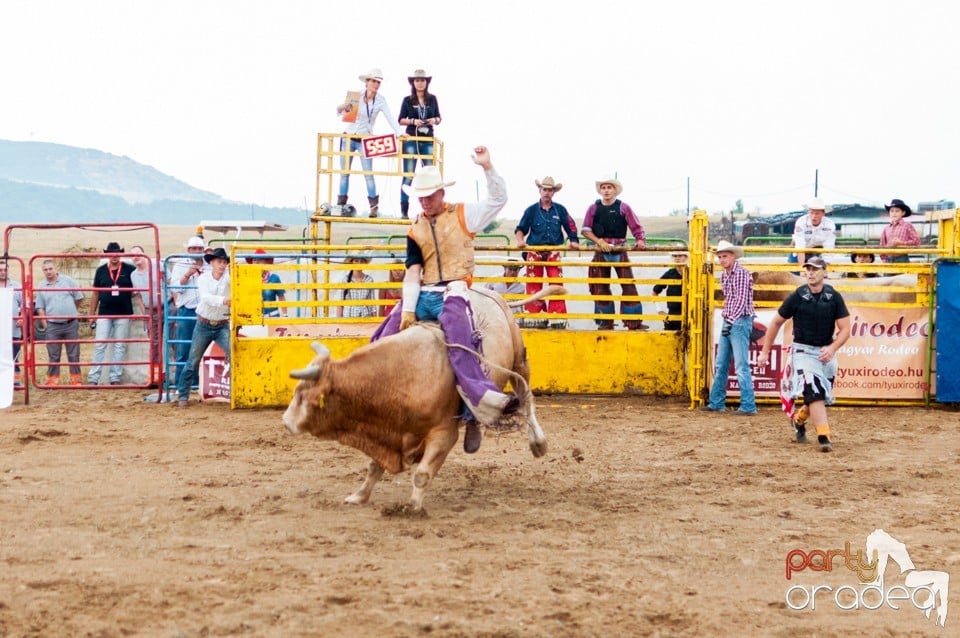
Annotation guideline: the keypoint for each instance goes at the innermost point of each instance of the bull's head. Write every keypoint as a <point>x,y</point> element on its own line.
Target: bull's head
<point>303,405</point>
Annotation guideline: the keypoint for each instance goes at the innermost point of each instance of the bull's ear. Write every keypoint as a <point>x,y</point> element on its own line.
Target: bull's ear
<point>320,349</point>
<point>310,373</point>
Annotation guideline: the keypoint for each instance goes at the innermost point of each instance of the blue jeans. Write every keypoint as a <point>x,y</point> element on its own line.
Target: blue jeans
<point>109,329</point>
<point>203,336</point>
<point>184,333</point>
<point>736,345</point>
<point>413,147</point>
<point>366,164</point>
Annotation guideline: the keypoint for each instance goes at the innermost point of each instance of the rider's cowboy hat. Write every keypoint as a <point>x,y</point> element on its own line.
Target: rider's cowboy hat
<point>426,181</point>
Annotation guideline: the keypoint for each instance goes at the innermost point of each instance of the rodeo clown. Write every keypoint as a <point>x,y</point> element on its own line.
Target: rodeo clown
<point>821,325</point>
<point>439,268</point>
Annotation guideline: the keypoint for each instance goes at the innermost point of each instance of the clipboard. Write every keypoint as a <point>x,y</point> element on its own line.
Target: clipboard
<point>353,98</point>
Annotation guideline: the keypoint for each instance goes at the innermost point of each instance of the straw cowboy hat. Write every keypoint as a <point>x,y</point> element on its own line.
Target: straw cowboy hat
<point>419,74</point>
<point>549,183</point>
<point>817,204</point>
<point>515,263</point>
<point>195,242</point>
<point>372,74</point>
<point>898,203</point>
<point>617,186</point>
<point>361,257</point>
<point>426,181</point>
<point>726,247</point>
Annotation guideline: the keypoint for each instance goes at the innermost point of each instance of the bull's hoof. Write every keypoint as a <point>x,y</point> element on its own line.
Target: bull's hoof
<point>403,510</point>
<point>355,499</point>
<point>539,448</point>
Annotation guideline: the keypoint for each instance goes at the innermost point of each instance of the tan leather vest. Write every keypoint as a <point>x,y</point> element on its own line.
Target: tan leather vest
<point>446,244</point>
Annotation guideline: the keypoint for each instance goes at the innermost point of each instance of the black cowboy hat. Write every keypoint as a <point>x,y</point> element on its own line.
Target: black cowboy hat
<point>218,253</point>
<point>113,247</point>
<point>853,257</point>
<point>898,203</point>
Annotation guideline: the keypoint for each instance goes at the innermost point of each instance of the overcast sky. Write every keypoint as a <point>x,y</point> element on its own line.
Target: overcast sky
<point>746,99</point>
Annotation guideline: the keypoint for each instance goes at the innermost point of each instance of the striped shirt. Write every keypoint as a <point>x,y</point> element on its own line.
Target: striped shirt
<point>737,288</point>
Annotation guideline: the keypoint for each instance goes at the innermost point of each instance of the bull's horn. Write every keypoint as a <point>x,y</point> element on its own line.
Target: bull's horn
<point>310,373</point>
<point>320,349</point>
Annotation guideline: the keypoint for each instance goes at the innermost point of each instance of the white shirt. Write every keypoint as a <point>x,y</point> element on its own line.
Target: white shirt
<point>186,294</point>
<point>806,235</point>
<point>367,113</point>
<point>212,293</point>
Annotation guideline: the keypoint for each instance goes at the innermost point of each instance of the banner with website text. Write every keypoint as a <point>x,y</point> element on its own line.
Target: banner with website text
<point>885,357</point>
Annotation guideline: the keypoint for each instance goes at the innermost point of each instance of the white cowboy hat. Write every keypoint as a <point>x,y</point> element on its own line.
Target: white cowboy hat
<point>549,183</point>
<point>426,181</point>
<point>817,204</point>
<point>195,242</point>
<point>372,74</point>
<point>726,247</point>
<point>419,74</point>
<point>613,182</point>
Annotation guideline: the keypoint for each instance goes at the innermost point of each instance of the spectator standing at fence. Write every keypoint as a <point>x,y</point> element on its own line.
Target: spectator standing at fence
<point>17,328</point>
<point>544,224</point>
<point>862,258</point>
<point>183,284</point>
<point>356,276</point>
<point>393,295</point>
<point>213,319</point>
<point>146,277</point>
<point>814,229</point>
<point>899,233</point>
<point>372,103</point>
<point>420,112</point>
<point>112,304</point>
<point>606,224</point>
<point>511,270</point>
<point>269,295</point>
<point>821,325</point>
<point>57,312</point>
<point>734,341</point>
<point>674,288</point>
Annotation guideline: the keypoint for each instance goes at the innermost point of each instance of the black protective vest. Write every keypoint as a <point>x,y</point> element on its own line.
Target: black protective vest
<point>608,223</point>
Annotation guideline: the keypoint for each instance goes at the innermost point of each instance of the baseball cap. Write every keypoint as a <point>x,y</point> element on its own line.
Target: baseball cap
<point>816,262</point>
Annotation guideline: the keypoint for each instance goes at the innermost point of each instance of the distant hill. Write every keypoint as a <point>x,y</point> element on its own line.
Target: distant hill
<point>43,182</point>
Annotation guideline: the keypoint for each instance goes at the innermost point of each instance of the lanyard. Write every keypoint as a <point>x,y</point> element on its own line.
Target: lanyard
<point>113,278</point>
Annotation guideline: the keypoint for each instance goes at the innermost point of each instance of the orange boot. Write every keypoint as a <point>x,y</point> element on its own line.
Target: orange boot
<point>51,380</point>
<point>76,379</point>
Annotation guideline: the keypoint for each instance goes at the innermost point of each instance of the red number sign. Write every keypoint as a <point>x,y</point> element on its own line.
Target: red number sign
<point>380,146</point>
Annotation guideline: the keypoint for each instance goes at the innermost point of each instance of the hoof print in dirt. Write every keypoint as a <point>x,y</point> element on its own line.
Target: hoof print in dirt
<point>403,510</point>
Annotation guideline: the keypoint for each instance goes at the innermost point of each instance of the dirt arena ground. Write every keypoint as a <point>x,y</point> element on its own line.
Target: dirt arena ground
<point>125,518</point>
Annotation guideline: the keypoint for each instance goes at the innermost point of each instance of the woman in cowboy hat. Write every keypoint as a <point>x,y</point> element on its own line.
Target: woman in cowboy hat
<point>898,233</point>
<point>356,276</point>
<point>419,112</point>
<point>372,103</point>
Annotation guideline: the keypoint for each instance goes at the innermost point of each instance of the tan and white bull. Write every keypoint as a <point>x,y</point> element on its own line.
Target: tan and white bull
<point>395,399</point>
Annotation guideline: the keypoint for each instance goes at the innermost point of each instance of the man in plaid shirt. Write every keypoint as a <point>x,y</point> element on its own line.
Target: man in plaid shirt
<point>899,233</point>
<point>738,312</point>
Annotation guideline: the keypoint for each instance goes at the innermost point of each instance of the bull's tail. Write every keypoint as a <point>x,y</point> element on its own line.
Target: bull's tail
<point>519,383</point>
<point>549,291</point>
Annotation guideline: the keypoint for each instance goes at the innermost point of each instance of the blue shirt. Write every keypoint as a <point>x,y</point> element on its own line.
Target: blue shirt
<point>546,227</point>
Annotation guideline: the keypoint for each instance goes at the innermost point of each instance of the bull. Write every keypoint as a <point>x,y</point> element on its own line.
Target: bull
<point>396,400</point>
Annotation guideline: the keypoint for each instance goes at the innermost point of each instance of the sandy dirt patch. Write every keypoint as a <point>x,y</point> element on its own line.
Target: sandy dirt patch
<point>119,518</point>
